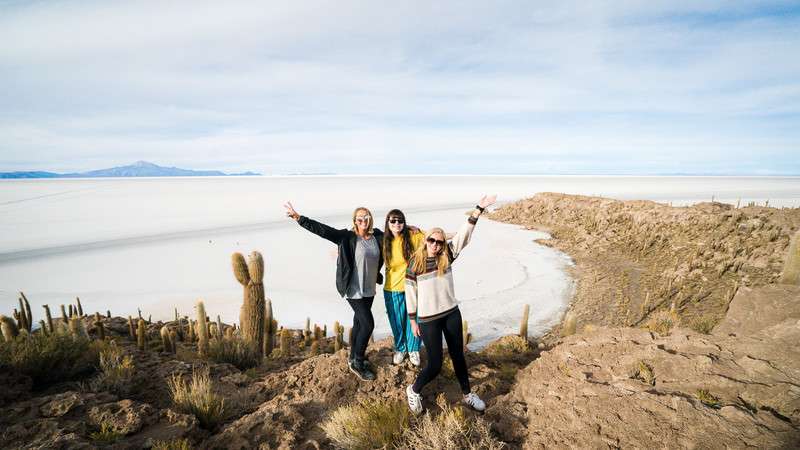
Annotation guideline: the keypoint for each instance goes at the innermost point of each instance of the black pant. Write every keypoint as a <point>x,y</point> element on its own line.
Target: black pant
<point>363,324</point>
<point>450,326</point>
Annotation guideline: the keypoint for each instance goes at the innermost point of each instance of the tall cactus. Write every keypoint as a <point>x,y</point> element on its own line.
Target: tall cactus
<point>131,328</point>
<point>791,268</point>
<point>286,341</point>
<point>269,327</point>
<point>251,317</point>
<point>570,324</point>
<point>202,329</point>
<point>79,307</point>
<point>76,328</point>
<point>337,338</point>
<point>27,309</point>
<point>98,325</point>
<point>49,318</point>
<point>141,335</point>
<point>523,326</point>
<point>64,316</point>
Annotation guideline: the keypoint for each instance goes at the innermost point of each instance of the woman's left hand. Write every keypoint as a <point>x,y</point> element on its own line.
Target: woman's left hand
<point>487,201</point>
<point>415,328</point>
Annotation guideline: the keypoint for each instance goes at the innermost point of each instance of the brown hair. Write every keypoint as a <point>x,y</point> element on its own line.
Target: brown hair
<point>421,254</point>
<point>388,237</point>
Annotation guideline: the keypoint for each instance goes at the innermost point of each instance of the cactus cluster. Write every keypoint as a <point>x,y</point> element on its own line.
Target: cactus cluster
<point>523,326</point>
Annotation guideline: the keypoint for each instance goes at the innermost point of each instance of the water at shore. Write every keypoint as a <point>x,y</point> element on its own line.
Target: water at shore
<point>157,244</point>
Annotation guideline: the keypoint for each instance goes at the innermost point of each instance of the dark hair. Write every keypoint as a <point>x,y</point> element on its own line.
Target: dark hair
<point>388,237</point>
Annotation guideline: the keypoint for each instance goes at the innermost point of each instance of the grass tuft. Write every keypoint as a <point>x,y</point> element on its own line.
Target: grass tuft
<point>49,358</point>
<point>234,351</point>
<point>368,424</point>
<point>106,434</point>
<point>116,371</point>
<point>644,372</point>
<point>703,324</point>
<point>507,347</point>
<point>450,429</point>
<point>707,398</point>
<point>662,322</point>
<point>175,444</point>
<point>197,398</point>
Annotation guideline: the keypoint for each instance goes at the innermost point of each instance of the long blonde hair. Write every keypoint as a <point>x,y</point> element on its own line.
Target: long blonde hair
<point>370,222</point>
<point>418,264</point>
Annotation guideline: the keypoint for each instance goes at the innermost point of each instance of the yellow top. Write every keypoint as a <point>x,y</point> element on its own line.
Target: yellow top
<point>396,269</point>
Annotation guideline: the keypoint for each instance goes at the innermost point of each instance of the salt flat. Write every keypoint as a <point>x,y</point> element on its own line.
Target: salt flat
<point>159,244</point>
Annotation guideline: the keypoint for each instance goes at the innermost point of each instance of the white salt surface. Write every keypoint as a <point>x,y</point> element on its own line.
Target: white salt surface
<point>158,244</point>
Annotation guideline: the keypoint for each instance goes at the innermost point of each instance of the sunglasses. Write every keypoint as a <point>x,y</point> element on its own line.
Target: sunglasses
<point>434,241</point>
<point>362,218</point>
<point>396,220</point>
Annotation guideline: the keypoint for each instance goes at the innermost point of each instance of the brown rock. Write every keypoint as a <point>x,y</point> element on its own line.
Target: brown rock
<point>124,417</point>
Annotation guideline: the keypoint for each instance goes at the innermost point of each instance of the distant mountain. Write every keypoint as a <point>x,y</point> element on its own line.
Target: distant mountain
<point>137,169</point>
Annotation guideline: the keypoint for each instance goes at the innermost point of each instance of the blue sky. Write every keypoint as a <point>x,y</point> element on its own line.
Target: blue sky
<point>617,87</point>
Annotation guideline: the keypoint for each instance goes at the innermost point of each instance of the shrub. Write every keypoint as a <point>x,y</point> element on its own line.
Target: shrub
<point>116,371</point>
<point>707,398</point>
<point>450,429</point>
<point>106,434</point>
<point>507,347</point>
<point>703,324</point>
<point>175,444</point>
<point>197,398</point>
<point>368,424</point>
<point>49,358</point>
<point>662,322</point>
<point>644,372</point>
<point>234,351</point>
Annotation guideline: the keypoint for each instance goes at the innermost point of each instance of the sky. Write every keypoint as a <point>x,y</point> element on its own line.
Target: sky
<point>350,87</point>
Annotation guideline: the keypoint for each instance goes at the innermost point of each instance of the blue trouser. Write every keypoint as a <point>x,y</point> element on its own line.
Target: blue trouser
<point>404,339</point>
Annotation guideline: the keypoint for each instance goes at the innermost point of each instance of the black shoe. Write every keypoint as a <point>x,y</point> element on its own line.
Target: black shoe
<point>361,370</point>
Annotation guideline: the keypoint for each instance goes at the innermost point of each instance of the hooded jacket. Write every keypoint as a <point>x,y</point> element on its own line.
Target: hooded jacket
<point>346,241</point>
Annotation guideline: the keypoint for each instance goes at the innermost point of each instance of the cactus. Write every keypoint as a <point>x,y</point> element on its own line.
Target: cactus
<point>308,324</point>
<point>27,310</point>
<point>570,324</point>
<point>76,328</point>
<point>307,338</point>
<point>314,348</point>
<point>166,340</point>
<point>8,328</point>
<point>202,329</point>
<point>337,337</point>
<point>270,326</point>
<point>71,312</point>
<point>523,327</point>
<point>141,335</point>
<point>317,332</point>
<point>325,331</point>
<point>219,328</point>
<point>108,313</point>
<point>791,268</point>
<point>140,313</point>
<point>22,317</point>
<point>286,340</point>
<point>190,333</point>
<point>466,336</point>
<point>251,316</point>
<point>43,327</point>
<point>49,318</point>
<point>131,329</point>
<point>79,307</point>
<point>177,319</point>
<point>98,324</point>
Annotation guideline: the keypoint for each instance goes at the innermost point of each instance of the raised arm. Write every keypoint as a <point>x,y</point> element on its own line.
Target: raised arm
<point>464,234</point>
<point>318,228</point>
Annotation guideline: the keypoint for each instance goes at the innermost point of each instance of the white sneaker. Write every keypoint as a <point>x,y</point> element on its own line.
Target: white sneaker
<point>398,357</point>
<point>414,358</point>
<point>474,401</point>
<point>414,400</point>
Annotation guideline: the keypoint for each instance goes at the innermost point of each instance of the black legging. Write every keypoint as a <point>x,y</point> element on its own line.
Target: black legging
<point>450,326</point>
<point>363,324</point>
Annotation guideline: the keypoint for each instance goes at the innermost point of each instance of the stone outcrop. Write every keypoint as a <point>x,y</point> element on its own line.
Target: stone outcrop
<point>627,387</point>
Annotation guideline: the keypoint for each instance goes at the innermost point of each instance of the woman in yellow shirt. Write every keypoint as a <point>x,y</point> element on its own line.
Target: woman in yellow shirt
<point>399,243</point>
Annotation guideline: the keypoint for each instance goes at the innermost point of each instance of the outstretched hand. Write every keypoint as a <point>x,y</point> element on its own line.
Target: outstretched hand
<point>290,212</point>
<point>487,201</point>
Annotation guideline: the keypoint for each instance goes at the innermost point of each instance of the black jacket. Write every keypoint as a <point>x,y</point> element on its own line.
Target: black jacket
<point>346,240</point>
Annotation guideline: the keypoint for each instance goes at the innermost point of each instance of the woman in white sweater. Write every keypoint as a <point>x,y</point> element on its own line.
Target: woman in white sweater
<point>433,309</point>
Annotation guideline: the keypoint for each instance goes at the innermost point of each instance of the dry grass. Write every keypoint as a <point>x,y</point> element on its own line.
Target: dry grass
<point>662,322</point>
<point>116,371</point>
<point>644,372</point>
<point>507,347</point>
<point>703,324</point>
<point>49,358</point>
<point>451,429</point>
<point>175,444</point>
<point>233,351</point>
<point>367,425</point>
<point>106,434</point>
<point>196,397</point>
<point>707,398</point>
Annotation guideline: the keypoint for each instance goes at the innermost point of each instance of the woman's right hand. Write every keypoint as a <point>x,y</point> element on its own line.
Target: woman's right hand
<point>290,212</point>
<point>415,328</point>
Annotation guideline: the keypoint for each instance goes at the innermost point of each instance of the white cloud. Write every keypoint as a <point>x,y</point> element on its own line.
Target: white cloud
<point>282,88</point>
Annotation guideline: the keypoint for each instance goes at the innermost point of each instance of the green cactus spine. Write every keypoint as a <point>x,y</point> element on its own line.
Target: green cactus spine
<point>166,340</point>
<point>141,335</point>
<point>8,328</point>
<point>523,326</point>
<point>49,318</point>
<point>251,316</point>
<point>202,329</point>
